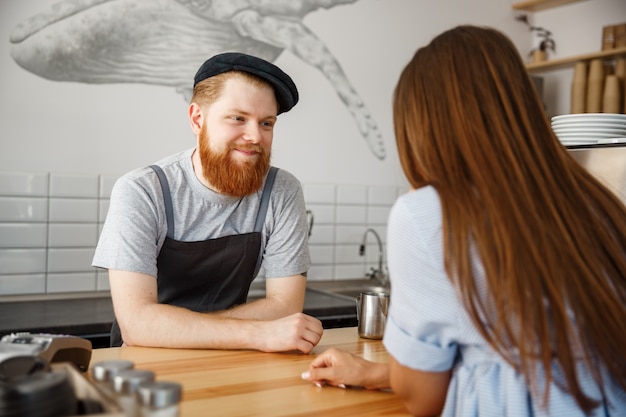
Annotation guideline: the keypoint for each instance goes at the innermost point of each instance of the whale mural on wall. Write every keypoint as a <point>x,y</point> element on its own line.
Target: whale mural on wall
<point>163,42</point>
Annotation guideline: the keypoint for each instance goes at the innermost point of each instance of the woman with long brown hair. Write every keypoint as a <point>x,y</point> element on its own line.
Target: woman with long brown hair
<point>508,260</point>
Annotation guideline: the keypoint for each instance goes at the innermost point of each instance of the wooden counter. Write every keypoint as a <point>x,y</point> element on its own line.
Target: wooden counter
<point>251,383</point>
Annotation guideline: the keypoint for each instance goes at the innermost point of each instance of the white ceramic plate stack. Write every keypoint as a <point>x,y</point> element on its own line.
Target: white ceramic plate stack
<point>590,128</point>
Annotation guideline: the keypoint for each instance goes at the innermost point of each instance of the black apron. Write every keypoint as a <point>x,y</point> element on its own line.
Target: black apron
<point>209,275</point>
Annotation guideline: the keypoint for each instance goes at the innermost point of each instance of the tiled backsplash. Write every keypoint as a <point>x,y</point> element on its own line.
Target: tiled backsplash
<point>49,225</point>
<point>342,214</point>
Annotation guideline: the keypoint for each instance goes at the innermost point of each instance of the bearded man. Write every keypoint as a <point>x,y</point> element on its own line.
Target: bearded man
<point>185,237</point>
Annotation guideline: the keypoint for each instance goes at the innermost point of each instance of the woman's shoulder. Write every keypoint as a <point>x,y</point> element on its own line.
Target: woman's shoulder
<point>421,198</point>
<point>421,205</point>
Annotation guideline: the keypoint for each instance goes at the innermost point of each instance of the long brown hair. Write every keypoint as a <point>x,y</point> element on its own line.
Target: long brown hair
<point>551,238</point>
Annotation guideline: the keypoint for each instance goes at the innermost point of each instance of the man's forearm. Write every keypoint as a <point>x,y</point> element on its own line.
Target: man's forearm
<point>269,308</point>
<point>163,325</point>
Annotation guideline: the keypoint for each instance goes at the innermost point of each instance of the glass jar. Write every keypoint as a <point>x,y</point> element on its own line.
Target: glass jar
<point>104,372</point>
<point>125,385</point>
<point>159,399</point>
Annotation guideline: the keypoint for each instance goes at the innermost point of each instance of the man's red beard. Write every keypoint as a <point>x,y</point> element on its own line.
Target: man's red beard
<point>227,176</point>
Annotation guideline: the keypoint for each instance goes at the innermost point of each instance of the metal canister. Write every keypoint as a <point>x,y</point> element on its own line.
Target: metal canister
<point>371,314</point>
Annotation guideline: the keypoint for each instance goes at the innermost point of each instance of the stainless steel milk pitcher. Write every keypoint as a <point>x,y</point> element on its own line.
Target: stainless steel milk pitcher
<point>371,313</point>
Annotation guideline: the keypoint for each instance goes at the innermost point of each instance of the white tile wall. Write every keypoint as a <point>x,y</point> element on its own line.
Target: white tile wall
<point>23,209</point>
<point>322,254</point>
<point>23,184</point>
<point>22,235</point>
<point>22,261</point>
<point>350,234</point>
<point>72,282</point>
<point>319,193</point>
<point>378,214</point>
<point>348,254</point>
<point>352,194</point>
<point>382,196</point>
<point>323,214</point>
<point>72,234</point>
<point>74,185</point>
<point>70,259</point>
<point>22,284</point>
<point>342,214</point>
<point>49,227</point>
<point>351,214</point>
<point>322,234</point>
<point>73,210</point>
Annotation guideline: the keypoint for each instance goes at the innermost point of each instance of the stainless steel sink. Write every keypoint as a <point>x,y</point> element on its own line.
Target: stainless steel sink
<point>353,293</point>
<point>348,289</point>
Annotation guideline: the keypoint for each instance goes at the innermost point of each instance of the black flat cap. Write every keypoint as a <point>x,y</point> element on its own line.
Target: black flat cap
<point>284,87</point>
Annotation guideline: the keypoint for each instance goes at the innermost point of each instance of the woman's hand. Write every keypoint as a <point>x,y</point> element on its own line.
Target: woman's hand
<point>341,369</point>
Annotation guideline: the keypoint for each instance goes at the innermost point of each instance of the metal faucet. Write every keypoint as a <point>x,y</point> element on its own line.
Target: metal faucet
<point>376,274</point>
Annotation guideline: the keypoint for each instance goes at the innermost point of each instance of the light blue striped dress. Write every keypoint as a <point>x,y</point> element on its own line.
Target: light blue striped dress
<point>429,330</point>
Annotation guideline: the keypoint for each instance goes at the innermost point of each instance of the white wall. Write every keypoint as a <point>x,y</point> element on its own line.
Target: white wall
<point>80,128</point>
<point>71,127</point>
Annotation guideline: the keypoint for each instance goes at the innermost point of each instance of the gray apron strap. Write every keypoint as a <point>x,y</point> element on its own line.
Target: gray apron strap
<point>265,199</point>
<point>167,199</point>
<point>260,217</point>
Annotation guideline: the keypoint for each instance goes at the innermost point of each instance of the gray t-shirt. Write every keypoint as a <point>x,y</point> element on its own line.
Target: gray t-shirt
<point>135,226</point>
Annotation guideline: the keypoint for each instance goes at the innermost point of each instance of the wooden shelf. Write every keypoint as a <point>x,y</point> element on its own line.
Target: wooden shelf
<point>559,63</point>
<point>538,5</point>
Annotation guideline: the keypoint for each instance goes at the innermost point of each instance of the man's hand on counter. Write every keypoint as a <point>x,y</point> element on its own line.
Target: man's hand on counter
<point>296,332</point>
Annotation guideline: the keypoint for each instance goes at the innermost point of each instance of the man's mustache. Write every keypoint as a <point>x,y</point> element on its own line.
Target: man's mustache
<point>247,147</point>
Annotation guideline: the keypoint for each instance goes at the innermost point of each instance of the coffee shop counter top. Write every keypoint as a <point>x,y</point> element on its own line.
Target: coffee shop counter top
<point>250,383</point>
<point>91,318</point>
